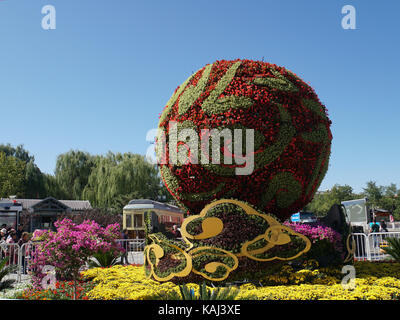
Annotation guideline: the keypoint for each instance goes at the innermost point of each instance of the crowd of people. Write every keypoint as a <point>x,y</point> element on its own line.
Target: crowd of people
<point>10,236</point>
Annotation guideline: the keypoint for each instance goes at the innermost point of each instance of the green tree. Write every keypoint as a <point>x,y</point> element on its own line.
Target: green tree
<point>374,193</point>
<point>384,197</point>
<point>323,201</point>
<point>33,177</point>
<point>72,172</point>
<point>12,176</point>
<point>388,199</point>
<point>18,152</point>
<point>391,190</point>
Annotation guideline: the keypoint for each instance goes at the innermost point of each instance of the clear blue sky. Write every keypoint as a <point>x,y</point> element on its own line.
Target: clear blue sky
<point>100,79</point>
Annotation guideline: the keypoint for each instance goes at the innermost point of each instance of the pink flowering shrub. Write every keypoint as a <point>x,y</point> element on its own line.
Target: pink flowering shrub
<point>70,247</point>
<point>326,243</point>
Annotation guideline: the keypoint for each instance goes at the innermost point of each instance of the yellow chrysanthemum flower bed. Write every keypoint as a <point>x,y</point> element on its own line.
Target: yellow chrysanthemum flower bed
<point>374,281</point>
<point>125,283</point>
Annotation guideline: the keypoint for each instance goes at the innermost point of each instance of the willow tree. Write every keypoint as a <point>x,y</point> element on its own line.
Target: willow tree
<point>52,188</point>
<point>117,178</point>
<point>73,169</point>
<point>34,182</point>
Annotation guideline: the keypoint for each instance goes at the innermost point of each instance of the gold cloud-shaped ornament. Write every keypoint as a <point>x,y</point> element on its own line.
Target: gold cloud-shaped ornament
<point>156,248</point>
<point>267,246</point>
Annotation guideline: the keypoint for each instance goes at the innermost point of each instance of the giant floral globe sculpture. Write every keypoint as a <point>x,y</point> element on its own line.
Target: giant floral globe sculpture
<point>241,146</point>
<point>292,137</point>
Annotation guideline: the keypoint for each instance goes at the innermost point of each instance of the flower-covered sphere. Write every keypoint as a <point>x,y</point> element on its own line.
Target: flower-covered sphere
<point>276,118</point>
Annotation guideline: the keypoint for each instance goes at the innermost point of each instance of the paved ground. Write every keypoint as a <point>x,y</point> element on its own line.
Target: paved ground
<point>24,278</point>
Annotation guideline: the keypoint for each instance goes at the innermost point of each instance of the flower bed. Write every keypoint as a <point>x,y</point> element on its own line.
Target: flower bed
<point>379,281</point>
<point>64,290</point>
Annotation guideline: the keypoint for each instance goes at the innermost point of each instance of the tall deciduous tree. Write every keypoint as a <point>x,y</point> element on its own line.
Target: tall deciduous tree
<point>33,178</point>
<point>374,193</point>
<point>12,176</point>
<point>18,152</point>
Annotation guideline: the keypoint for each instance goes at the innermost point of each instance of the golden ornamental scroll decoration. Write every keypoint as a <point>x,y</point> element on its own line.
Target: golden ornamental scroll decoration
<point>351,249</point>
<point>275,235</point>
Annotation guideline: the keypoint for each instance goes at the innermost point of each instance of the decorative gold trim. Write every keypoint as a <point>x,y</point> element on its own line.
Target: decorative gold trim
<point>350,249</point>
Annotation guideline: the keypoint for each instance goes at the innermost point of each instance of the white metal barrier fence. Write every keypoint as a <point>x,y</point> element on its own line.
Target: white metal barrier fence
<point>10,251</point>
<point>135,245</point>
<point>21,256</point>
<point>371,246</point>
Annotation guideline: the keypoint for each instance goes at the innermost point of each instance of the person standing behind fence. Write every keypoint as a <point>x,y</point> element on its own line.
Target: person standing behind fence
<point>374,228</point>
<point>3,244</point>
<point>384,226</point>
<point>20,231</point>
<point>12,252</point>
<point>24,239</point>
<point>11,236</point>
<point>3,234</point>
<point>125,238</point>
